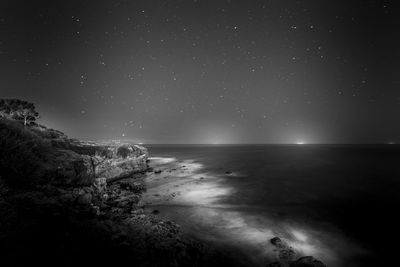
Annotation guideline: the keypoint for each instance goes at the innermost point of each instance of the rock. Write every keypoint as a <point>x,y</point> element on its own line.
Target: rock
<point>105,161</point>
<point>120,151</point>
<point>157,171</point>
<point>286,253</point>
<point>117,168</point>
<point>100,184</point>
<point>276,241</point>
<point>84,199</point>
<point>307,261</point>
<point>228,172</point>
<point>135,187</point>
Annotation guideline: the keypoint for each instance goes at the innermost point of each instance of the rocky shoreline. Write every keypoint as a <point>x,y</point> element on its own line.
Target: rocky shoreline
<point>81,204</point>
<point>74,203</point>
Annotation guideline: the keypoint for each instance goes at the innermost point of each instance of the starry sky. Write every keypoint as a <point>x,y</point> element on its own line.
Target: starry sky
<point>207,71</point>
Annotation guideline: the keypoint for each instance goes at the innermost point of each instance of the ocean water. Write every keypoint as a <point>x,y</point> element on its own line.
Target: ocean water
<point>339,203</point>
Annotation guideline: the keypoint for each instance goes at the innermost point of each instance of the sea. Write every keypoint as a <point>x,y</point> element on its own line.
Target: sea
<point>338,203</point>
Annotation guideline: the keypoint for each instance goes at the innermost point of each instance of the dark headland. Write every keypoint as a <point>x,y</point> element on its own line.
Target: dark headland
<point>66,202</point>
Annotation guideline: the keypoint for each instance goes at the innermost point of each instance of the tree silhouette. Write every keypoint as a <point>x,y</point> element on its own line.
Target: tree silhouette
<point>17,109</point>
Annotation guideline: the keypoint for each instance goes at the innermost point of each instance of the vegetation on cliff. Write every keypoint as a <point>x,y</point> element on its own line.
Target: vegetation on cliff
<point>17,109</point>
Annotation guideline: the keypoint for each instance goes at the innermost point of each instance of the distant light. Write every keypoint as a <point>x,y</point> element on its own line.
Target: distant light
<point>140,143</point>
<point>299,143</point>
<point>391,143</point>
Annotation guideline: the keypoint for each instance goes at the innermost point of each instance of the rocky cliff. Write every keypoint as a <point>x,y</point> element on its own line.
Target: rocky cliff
<point>82,163</point>
<point>65,202</point>
<point>63,161</point>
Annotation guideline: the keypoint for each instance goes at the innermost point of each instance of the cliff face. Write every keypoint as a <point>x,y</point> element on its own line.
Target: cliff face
<point>37,154</point>
<point>113,161</point>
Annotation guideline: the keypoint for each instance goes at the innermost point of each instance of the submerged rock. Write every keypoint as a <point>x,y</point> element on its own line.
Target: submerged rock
<point>286,256</point>
<point>285,252</point>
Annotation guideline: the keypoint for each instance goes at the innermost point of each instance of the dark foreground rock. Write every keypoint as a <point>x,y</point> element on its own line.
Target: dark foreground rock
<point>307,261</point>
<point>287,256</point>
<point>93,226</point>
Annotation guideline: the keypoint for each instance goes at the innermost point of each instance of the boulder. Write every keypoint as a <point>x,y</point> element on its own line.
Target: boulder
<point>285,252</point>
<point>276,241</point>
<point>84,199</point>
<point>307,261</point>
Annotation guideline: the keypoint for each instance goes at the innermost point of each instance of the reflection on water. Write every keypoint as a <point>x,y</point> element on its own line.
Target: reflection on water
<point>198,205</point>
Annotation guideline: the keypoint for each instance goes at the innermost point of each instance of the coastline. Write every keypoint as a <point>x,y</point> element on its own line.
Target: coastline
<point>82,204</point>
<point>113,199</point>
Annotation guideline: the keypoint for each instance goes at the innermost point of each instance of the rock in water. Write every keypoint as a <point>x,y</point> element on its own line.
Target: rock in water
<point>285,252</point>
<point>307,261</point>
<point>276,241</point>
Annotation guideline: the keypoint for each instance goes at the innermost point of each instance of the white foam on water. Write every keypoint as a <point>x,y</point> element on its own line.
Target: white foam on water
<point>161,160</point>
<point>249,231</point>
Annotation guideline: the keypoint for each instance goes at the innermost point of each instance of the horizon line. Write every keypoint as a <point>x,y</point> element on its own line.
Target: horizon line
<point>288,144</point>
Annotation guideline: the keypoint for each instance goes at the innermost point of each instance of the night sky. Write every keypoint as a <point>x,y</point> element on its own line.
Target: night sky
<point>207,71</point>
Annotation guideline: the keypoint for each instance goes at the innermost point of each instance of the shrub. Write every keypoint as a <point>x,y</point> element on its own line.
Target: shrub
<point>21,154</point>
<point>123,151</point>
